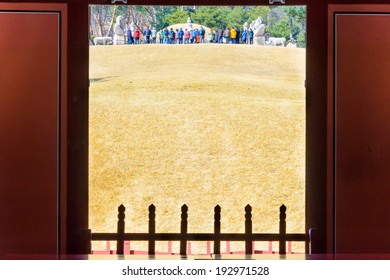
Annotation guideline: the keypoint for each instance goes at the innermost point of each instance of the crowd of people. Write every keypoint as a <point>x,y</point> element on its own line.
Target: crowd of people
<point>232,35</point>
<point>194,36</point>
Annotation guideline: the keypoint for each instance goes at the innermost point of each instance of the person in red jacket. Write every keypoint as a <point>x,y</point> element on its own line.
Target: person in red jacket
<point>187,36</point>
<point>136,36</point>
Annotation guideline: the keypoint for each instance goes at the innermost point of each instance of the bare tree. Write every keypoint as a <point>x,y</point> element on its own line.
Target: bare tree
<point>135,18</point>
<point>151,12</point>
<point>99,20</point>
<point>102,19</point>
<point>112,21</point>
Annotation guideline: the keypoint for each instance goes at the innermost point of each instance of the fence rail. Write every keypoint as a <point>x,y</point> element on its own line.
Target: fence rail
<point>248,237</point>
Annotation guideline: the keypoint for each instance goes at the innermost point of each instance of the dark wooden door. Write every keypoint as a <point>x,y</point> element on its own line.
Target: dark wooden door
<point>31,96</point>
<point>361,111</point>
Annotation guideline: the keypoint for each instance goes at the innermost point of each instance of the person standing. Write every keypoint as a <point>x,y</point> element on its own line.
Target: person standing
<point>212,35</point>
<point>136,36</point>
<point>154,35</point>
<point>166,35</point>
<point>177,36</point>
<point>244,36</point>
<point>192,36</point>
<point>202,33</point>
<point>233,35</point>
<point>181,35</point>
<point>220,35</point>
<point>171,36</point>
<point>130,40</point>
<point>147,34</point>
<point>187,35</point>
<point>238,35</point>
<point>226,34</point>
<point>197,36</point>
<point>250,36</point>
<point>161,36</point>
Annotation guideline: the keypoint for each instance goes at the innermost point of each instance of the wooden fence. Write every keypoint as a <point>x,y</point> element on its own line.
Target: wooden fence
<point>248,237</point>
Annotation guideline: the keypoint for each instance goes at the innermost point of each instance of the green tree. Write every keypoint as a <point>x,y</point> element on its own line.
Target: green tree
<point>259,11</point>
<point>302,39</point>
<point>298,13</point>
<point>237,16</point>
<point>282,29</point>
<point>161,16</point>
<point>295,14</point>
<point>176,17</point>
<point>210,16</point>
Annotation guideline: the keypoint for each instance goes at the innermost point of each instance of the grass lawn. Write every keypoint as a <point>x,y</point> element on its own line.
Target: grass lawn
<point>199,125</point>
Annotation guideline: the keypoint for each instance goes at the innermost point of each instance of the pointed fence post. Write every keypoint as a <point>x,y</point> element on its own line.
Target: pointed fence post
<point>120,230</point>
<point>152,230</point>
<point>282,230</point>
<point>183,230</point>
<point>217,230</point>
<point>248,230</point>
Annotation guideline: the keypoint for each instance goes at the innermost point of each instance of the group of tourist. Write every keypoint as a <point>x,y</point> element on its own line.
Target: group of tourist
<point>180,36</point>
<point>194,36</point>
<point>232,35</point>
<point>134,37</point>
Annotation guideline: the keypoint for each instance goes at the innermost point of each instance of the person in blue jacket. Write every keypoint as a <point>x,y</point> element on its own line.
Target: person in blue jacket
<point>129,36</point>
<point>147,34</point>
<point>250,36</point>
<point>244,36</point>
<point>194,35</point>
<point>166,35</point>
<point>202,33</point>
<point>181,35</point>
<point>171,36</point>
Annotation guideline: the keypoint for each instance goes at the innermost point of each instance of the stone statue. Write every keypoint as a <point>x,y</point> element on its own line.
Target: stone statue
<point>189,24</point>
<point>119,30</point>
<point>245,26</point>
<point>258,28</point>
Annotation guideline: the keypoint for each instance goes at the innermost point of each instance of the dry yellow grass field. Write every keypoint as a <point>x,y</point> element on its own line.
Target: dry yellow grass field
<point>199,125</point>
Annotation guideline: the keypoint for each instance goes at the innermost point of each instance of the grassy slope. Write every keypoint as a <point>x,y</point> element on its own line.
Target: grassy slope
<point>200,125</point>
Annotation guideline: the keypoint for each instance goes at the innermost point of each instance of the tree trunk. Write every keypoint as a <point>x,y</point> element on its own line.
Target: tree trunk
<point>99,22</point>
<point>291,27</point>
